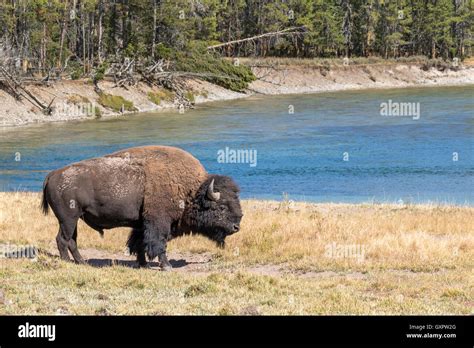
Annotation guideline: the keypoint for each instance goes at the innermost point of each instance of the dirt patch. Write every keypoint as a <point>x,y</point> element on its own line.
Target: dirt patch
<point>269,270</point>
<point>203,264</point>
<point>181,262</point>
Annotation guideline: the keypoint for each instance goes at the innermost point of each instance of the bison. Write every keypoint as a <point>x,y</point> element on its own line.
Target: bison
<point>161,192</point>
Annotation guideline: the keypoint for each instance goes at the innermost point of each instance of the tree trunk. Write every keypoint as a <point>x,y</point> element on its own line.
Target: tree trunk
<point>83,39</point>
<point>153,44</point>
<point>101,31</point>
<point>91,38</point>
<point>43,48</point>
<point>63,35</point>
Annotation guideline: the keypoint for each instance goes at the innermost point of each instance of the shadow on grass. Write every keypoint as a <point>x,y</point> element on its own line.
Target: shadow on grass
<point>109,262</point>
<point>99,263</point>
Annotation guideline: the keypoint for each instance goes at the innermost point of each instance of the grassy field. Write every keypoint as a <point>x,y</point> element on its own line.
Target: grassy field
<point>289,258</point>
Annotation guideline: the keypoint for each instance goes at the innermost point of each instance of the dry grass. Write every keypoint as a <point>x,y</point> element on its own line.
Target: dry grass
<point>77,99</point>
<point>332,62</point>
<point>400,259</point>
<point>469,61</point>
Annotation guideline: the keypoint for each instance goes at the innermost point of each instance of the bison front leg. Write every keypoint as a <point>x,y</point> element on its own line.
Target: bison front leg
<point>156,239</point>
<point>136,246</point>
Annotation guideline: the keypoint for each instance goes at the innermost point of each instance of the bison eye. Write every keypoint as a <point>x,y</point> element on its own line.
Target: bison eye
<point>223,207</point>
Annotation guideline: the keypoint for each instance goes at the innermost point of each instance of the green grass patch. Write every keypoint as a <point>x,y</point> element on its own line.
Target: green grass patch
<point>160,95</point>
<point>116,102</point>
<point>190,96</point>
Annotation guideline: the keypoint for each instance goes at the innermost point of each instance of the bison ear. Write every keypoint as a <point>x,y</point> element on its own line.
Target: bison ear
<point>213,196</point>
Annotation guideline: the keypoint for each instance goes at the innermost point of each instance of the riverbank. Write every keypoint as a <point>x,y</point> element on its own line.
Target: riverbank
<point>74,100</point>
<point>285,77</point>
<point>288,258</point>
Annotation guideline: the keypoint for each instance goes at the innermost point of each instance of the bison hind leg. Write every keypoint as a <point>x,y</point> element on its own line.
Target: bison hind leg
<point>136,246</point>
<point>62,246</point>
<point>67,239</point>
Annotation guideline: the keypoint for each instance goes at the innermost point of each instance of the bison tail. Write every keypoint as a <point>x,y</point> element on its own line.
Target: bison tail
<point>44,201</point>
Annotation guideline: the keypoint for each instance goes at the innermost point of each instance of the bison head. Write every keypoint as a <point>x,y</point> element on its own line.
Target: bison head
<point>217,211</point>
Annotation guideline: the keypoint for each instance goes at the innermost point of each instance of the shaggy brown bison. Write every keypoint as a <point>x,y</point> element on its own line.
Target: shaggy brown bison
<point>160,192</point>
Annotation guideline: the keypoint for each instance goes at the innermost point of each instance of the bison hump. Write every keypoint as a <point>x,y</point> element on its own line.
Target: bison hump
<point>172,176</point>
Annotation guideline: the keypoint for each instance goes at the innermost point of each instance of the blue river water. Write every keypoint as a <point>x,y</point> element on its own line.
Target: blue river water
<point>334,147</point>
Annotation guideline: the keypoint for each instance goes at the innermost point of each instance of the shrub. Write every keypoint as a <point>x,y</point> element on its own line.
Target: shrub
<point>197,59</point>
<point>437,63</point>
<point>190,96</point>
<point>75,69</point>
<point>100,72</point>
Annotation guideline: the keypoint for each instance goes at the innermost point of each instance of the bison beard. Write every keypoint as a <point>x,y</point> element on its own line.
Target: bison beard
<point>160,192</point>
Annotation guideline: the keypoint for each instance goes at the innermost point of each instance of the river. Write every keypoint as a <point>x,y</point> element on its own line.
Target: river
<point>333,147</point>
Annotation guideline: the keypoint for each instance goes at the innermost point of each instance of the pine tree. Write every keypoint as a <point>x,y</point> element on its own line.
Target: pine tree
<point>82,34</point>
<point>328,37</point>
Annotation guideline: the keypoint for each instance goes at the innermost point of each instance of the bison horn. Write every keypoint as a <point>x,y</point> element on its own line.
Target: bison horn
<point>213,196</point>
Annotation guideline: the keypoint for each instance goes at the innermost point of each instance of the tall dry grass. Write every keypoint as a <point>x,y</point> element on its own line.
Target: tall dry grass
<point>405,259</point>
<point>408,237</point>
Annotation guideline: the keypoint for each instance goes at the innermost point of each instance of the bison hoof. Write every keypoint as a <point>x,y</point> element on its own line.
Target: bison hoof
<point>144,265</point>
<point>166,268</point>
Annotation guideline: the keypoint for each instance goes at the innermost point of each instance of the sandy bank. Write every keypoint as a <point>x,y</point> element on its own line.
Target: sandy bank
<point>303,79</point>
<point>73,100</point>
<point>282,79</point>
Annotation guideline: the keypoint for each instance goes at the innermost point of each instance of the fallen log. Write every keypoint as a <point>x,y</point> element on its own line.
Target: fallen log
<point>18,91</point>
<point>287,31</point>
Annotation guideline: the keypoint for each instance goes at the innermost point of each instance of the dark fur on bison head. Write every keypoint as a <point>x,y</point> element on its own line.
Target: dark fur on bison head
<point>216,211</point>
